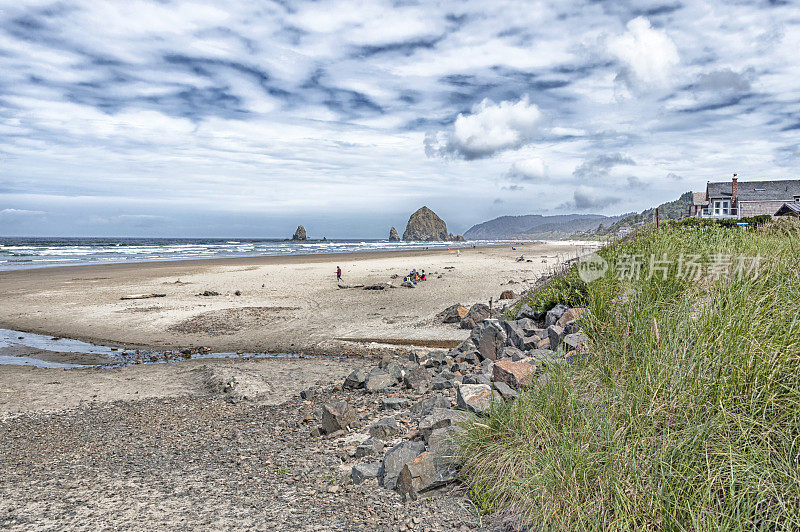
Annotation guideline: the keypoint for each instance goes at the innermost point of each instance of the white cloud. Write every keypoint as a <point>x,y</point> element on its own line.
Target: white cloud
<point>491,128</point>
<point>20,212</point>
<point>648,54</point>
<point>531,169</point>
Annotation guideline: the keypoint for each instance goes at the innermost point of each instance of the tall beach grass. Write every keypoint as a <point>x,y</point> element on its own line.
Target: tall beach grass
<point>686,415</point>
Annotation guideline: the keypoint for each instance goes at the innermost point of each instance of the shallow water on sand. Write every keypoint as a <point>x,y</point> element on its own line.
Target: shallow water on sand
<point>43,351</point>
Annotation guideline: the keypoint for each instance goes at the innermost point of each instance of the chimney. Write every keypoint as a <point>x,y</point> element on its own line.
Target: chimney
<point>734,190</point>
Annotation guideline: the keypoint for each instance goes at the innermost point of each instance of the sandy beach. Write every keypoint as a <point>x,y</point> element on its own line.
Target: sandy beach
<point>286,304</point>
<point>230,443</point>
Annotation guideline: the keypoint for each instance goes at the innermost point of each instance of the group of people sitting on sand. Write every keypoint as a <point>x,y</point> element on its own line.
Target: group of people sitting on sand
<point>415,276</point>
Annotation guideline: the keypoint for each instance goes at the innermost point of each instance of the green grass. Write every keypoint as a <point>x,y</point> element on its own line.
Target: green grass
<point>685,416</point>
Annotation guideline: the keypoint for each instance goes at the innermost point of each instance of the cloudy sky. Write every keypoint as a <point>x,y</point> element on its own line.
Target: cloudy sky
<point>244,118</point>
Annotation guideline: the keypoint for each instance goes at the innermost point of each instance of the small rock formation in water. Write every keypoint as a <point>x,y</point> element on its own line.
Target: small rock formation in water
<point>393,236</point>
<point>426,226</point>
<point>300,234</point>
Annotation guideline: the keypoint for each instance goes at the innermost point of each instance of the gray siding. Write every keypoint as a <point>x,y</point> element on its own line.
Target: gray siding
<point>754,208</point>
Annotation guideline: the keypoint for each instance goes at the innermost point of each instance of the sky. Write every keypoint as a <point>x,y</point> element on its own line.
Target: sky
<point>242,118</point>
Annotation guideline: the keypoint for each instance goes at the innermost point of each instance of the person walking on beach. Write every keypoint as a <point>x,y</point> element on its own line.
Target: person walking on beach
<point>338,274</point>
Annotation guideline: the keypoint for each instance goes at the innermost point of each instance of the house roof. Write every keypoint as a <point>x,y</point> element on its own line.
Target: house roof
<point>699,198</point>
<point>757,190</point>
<point>789,208</point>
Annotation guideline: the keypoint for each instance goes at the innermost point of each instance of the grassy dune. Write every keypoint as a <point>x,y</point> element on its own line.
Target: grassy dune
<point>686,415</point>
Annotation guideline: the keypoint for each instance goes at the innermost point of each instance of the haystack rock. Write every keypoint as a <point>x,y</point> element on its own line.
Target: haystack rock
<point>300,234</point>
<point>426,226</point>
<point>393,236</point>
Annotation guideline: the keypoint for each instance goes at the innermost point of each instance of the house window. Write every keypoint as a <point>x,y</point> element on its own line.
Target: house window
<point>722,207</point>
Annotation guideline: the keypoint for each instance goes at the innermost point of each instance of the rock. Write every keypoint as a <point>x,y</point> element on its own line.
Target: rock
<point>554,314</point>
<point>440,418</point>
<point>517,330</point>
<point>480,378</point>
<point>378,381</point>
<point>337,416</point>
<point>369,447</point>
<point>514,374</point>
<point>300,234</point>
<point>356,379</point>
<point>477,313</point>
<point>489,339</point>
<point>308,393</point>
<point>513,353</point>
<point>429,404</point>
<point>441,383</point>
<point>424,225</point>
<point>453,314</point>
<point>544,343</point>
<point>578,341</point>
<point>394,403</point>
<point>237,293</point>
<point>571,314</point>
<point>209,293</point>
<point>407,284</point>
<point>530,342</point>
<point>526,311</point>
<point>418,379</point>
<point>470,357</point>
<point>456,238</point>
<point>393,236</point>
<point>384,429</point>
<point>474,397</point>
<point>555,334</point>
<point>507,294</point>
<point>506,392</point>
<point>393,368</point>
<point>395,459</point>
<point>361,472</point>
<point>423,473</point>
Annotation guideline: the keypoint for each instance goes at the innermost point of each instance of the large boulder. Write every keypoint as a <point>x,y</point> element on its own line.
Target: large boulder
<point>475,397</point>
<point>396,458</point>
<point>379,381</point>
<point>425,472</point>
<point>453,313</point>
<point>337,416</point>
<point>513,373</point>
<point>426,226</point>
<point>477,313</point>
<point>489,339</point>
<point>393,236</point>
<point>384,429</point>
<point>300,234</point>
<point>440,418</point>
<point>554,314</point>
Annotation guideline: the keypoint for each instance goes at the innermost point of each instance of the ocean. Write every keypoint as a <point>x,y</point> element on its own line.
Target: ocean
<point>35,252</point>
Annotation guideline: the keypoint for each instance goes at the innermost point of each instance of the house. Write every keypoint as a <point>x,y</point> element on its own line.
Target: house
<point>789,209</point>
<point>732,199</point>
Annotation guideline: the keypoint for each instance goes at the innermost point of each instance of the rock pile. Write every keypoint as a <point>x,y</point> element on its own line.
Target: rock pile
<point>408,444</point>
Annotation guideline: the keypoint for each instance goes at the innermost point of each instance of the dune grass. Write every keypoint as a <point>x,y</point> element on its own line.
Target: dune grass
<point>687,413</point>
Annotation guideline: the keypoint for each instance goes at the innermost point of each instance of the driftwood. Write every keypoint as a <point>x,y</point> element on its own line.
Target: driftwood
<point>344,286</point>
<point>142,296</point>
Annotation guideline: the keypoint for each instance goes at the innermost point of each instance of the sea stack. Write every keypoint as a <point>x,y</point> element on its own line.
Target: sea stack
<point>393,236</point>
<point>424,225</point>
<point>300,234</point>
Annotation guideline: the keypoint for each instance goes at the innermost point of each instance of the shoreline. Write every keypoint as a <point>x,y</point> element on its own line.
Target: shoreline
<point>288,304</point>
